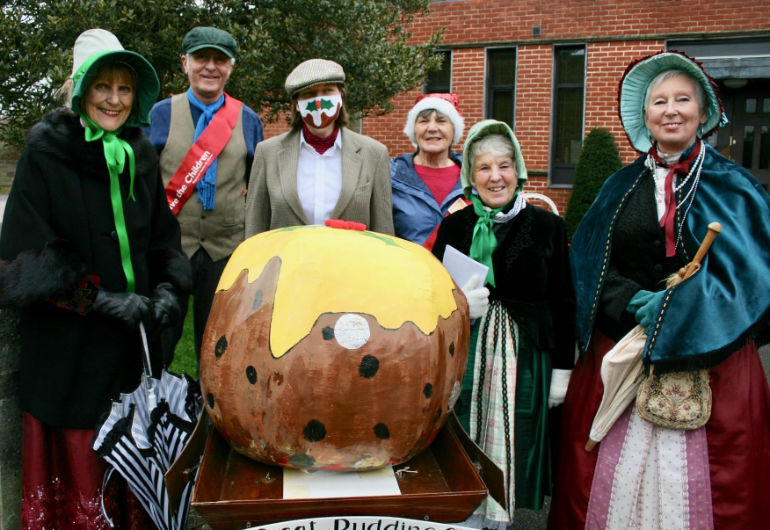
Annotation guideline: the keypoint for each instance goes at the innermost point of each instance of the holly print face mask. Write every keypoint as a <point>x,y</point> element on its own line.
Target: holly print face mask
<point>319,112</point>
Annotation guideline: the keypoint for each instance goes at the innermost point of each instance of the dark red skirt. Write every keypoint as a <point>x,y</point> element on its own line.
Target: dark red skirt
<point>738,435</point>
<point>62,483</point>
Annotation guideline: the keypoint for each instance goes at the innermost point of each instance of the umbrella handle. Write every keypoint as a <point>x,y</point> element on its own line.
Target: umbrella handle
<point>691,268</point>
<point>145,351</point>
<point>152,400</point>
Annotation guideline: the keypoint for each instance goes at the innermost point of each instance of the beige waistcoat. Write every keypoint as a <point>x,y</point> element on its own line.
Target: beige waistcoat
<point>220,230</point>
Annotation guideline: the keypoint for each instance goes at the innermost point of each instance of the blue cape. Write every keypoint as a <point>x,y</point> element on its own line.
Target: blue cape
<point>706,317</point>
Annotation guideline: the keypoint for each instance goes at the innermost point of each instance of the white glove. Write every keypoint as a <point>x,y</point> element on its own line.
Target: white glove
<point>477,296</point>
<point>559,382</point>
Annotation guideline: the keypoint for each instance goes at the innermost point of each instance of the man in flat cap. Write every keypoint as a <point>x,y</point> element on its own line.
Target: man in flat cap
<point>206,140</point>
<point>320,169</point>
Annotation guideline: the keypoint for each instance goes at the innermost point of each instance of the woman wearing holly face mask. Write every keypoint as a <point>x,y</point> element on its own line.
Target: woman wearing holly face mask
<point>320,169</point>
<point>88,250</point>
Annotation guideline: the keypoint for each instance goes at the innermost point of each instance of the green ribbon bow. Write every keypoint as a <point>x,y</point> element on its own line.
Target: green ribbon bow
<point>484,241</point>
<point>115,151</point>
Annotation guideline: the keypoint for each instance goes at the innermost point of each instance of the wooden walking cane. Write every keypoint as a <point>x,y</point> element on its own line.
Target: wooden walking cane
<point>694,266</point>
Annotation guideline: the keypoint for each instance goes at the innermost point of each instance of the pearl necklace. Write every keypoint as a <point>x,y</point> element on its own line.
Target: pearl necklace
<point>695,169</point>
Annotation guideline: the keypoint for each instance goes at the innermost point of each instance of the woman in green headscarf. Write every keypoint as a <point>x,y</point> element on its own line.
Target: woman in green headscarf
<point>522,341</point>
<point>88,249</point>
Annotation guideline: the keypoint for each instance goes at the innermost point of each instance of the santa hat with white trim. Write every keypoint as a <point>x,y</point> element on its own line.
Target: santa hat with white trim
<point>443,103</point>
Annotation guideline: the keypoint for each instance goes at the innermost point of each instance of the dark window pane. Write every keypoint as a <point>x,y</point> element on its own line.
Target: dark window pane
<point>751,105</point>
<point>440,80</point>
<point>501,84</point>
<point>748,146</point>
<point>567,131</point>
<point>502,106</point>
<point>766,105</point>
<point>569,125</point>
<point>502,67</point>
<point>764,148</point>
<point>571,63</point>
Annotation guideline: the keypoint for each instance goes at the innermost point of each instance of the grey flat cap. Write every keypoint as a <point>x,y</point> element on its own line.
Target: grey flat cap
<point>313,72</point>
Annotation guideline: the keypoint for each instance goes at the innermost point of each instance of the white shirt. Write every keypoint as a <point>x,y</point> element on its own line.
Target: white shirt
<point>319,179</point>
<point>660,181</point>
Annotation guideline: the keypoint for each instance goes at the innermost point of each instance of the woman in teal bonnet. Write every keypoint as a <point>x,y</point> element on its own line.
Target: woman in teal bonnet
<point>88,250</point>
<point>646,223</point>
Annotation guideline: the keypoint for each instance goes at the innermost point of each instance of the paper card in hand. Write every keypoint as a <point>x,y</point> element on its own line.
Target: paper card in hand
<point>461,267</point>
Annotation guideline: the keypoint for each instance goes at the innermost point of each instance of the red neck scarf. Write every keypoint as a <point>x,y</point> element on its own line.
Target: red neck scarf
<point>321,145</point>
<point>681,168</point>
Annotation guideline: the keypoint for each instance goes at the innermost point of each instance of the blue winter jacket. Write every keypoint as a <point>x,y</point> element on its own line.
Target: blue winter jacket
<point>416,214</point>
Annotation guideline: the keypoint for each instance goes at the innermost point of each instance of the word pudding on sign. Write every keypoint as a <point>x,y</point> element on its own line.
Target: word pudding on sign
<point>358,523</point>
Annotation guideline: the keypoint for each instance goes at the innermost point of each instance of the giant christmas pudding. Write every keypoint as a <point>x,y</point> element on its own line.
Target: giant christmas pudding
<point>333,349</point>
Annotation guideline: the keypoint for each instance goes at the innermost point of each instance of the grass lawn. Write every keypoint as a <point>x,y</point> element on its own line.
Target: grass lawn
<point>184,355</point>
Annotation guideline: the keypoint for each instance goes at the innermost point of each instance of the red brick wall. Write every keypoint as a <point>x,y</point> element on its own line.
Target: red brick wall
<point>615,32</point>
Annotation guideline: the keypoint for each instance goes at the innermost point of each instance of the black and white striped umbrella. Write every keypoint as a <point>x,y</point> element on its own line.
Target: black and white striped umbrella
<point>144,433</point>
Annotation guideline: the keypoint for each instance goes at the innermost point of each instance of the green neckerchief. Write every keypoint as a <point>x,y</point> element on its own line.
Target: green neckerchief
<point>484,241</point>
<point>115,151</point>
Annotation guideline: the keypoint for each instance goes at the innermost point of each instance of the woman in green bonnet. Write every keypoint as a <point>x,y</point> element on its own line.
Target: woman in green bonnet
<point>522,339</point>
<point>89,249</point>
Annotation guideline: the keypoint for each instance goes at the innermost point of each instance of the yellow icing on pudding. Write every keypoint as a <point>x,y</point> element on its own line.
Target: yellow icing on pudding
<point>331,270</point>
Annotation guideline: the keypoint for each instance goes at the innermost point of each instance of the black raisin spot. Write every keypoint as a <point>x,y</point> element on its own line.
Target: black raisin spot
<point>302,461</point>
<point>369,366</point>
<point>210,400</point>
<point>328,333</point>
<point>251,374</point>
<point>381,431</point>
<point>314,431</point>
<point>452,349</point>
<point>221,347</point>
<point>428,390</point>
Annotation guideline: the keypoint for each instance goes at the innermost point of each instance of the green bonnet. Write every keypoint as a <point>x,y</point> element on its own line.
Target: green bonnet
<point>95,48</point>
<point>476,133</point>
<point>633,91</point>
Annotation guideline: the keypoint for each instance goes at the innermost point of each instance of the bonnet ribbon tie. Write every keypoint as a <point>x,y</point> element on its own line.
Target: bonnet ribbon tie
<point>115,151</point>
<point>484,241</point>
<point>680,168</point>
<point>207,185</point>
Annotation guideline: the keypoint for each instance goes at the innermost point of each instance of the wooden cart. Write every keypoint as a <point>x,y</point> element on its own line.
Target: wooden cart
<point>232,491</point>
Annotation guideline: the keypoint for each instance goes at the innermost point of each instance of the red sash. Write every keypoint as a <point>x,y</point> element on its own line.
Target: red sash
<point>202,153</point>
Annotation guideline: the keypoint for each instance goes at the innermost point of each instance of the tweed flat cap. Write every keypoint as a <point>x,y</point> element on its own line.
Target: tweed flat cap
<point>313,72</point>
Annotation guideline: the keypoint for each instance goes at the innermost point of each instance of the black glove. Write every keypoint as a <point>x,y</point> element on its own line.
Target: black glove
<point>165,307</point>
<point>130,308</point>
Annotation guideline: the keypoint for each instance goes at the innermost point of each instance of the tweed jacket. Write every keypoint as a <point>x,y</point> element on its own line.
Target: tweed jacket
<point>273,200</point>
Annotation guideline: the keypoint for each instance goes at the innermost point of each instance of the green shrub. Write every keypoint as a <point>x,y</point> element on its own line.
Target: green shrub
<point>598,159</point>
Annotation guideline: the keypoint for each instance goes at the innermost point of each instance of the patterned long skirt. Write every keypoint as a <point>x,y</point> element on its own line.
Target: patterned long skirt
<point>508,413</point>
<point>651,477</point>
